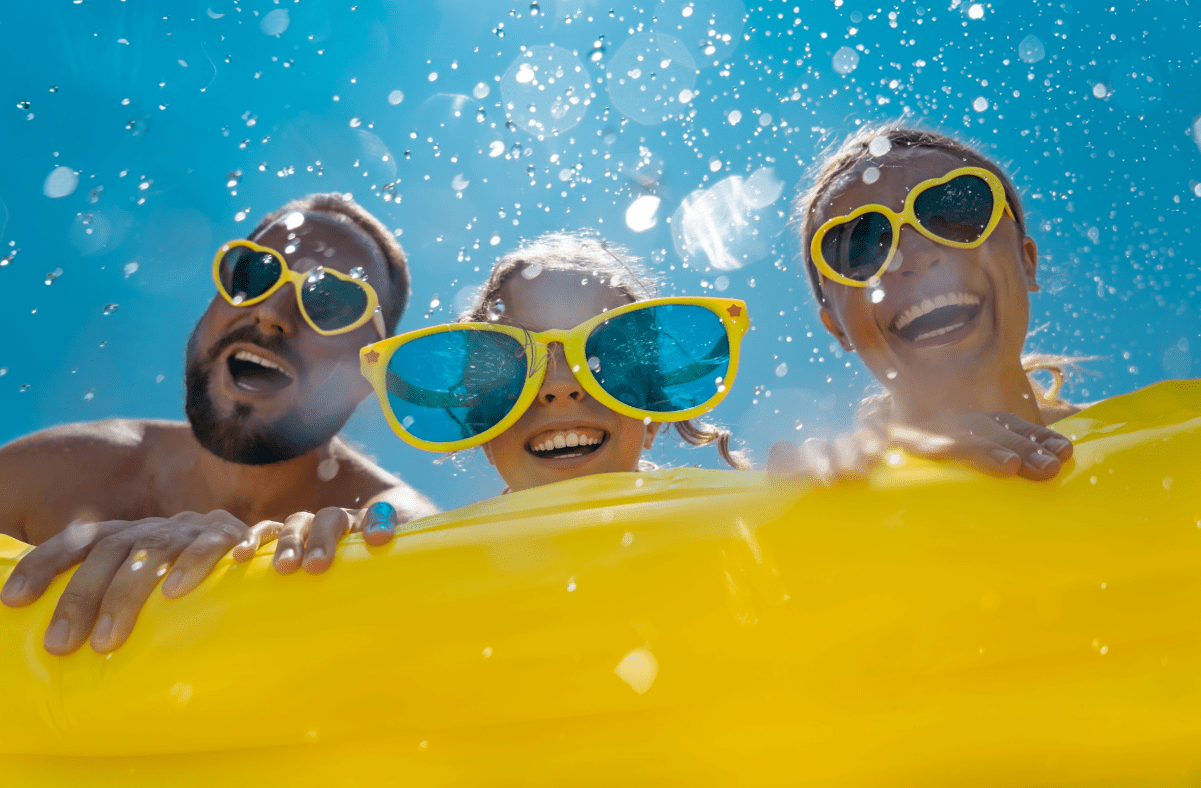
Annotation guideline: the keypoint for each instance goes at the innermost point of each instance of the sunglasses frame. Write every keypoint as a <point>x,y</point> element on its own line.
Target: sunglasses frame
<point>374,360</point>
<point>909,217</point>
<point>296,278</point>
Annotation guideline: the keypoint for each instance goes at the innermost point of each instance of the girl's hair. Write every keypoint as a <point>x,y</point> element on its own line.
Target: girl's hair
<point>593,256</point>
<point>831,176</point>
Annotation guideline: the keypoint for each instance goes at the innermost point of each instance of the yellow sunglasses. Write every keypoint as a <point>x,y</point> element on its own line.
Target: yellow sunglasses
<point>455,386</point>
<point>961,209</point>
<point>330,301</point>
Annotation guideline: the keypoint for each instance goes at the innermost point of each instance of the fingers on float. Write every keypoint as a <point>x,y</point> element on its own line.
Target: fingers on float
<point>379,523</point>
<point>289,549</point>
<point>37,569</point>
<point>77,607</point>
<point>326,528</point>
<point>147,561</point>
<point>200,554</point>
<point>262,533</point>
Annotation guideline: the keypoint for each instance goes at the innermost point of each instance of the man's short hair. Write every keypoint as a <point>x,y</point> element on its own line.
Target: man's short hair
<point>341,207</point>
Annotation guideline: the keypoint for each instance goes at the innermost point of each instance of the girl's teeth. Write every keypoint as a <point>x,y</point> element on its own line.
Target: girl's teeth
<point>564,440</point>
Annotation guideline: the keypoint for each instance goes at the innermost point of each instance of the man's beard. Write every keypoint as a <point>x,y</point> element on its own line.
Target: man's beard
<point>231,437</point>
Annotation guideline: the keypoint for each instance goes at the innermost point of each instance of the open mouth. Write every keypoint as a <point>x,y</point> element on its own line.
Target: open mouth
<point>252,372</point>
<point>562,444</point>
<point>936,316</point>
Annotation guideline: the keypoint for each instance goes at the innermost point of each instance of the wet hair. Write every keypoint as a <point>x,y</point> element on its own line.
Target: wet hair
<point>593,256</point>
<point>830,177</point>
<point>343,209</point>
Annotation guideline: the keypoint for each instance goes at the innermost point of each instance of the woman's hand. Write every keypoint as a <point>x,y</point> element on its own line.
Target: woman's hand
<point>309,540</point>
<point>848,456</point>
<point>996,443</point>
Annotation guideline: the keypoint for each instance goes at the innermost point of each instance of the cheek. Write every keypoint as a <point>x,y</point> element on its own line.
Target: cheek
<point>629,440</point>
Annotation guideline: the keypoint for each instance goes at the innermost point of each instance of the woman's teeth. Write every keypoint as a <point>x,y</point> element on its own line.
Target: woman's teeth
<point>928,305</point>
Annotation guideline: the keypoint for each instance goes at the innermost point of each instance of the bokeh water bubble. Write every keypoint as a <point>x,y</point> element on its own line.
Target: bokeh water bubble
<point>643,213</point>
<point>275,22</point>
<point>496,310</point>
<point>732,224</point>
<point>1030,50</point>
<point>647,75</point>
<point>61,182</point>
<point>845,60</point>
<point>395,97</point>
<point>546,90</point>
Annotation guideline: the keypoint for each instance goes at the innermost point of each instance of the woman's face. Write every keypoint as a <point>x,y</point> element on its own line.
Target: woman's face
<point>939,313</point>
<point>565,433</point>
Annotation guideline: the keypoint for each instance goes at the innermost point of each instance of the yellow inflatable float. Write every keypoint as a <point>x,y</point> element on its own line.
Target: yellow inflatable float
<point>928,626</point>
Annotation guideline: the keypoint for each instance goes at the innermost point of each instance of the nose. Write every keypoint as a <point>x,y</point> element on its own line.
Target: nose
<point>559,385</point>
<point>915,254</point>
<point>277,314</point>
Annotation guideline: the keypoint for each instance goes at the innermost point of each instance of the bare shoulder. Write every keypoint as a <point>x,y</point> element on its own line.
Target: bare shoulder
<point>84,469</point>
<point>368,481</point>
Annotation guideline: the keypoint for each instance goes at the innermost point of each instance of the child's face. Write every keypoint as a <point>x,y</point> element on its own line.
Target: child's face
<point>984,289</point>
<point>563,413</point>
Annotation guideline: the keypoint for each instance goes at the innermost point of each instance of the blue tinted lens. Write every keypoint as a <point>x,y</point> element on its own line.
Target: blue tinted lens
<point>662,359</point>
<point>454,385</point>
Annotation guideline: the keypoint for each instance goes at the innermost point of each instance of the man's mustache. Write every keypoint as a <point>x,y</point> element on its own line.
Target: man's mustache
<point>251,335</point>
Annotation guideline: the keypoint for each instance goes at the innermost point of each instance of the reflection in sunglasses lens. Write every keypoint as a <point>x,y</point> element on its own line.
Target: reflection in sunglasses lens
<point>246,273</point>
<point>858,248</point>
<point>330,302</point>
<point>958,210</point>
<point>663,359</point>
<point>456,384</point>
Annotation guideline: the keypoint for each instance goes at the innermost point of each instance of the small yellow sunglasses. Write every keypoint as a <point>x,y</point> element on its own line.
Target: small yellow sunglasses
<point>330,301</point>
<point>459,385</point>
<point>961,209</point>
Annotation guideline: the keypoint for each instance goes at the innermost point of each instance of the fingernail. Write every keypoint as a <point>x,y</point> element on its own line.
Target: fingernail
<point>104,627</point>
<point>1058,444</point>
<point>1041,459</point>
<point>56,636</point>
<point>316,554</point>
<point>287,555</point>
<point>172,582</point>
<point>12,589</point>
<point>1001,456</point>
<point>379,515</point>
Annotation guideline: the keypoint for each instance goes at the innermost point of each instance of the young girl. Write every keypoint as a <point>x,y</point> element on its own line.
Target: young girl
<point>565,366</point>
<point>917,251</point>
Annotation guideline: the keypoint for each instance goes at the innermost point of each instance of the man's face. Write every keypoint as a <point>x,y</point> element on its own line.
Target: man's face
<point>264,387</point>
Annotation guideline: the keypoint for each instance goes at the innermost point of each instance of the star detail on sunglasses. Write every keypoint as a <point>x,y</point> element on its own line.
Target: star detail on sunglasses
<point>371,356</point>
<point>735,310</point>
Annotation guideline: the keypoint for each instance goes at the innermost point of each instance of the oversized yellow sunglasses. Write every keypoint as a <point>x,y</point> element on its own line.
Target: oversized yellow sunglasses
<point>330,301</point>
<point>961,209</point>
<point>455,386</point>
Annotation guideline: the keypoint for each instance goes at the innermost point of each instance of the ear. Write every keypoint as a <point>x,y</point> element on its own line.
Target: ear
<point>1030,263</point>
<point>487,447</point>
<point>832,326</point>
<point>651,431</point>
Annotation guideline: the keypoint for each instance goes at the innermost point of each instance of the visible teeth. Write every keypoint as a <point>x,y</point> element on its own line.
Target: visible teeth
<point>562,440</point>
<point>929,305</point>
<point>938,332</point>
<point>246,355</point>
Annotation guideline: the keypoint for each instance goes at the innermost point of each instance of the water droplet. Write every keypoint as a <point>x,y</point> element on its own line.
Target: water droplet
<point>4,371</point>
<point>734,117</point>
<point>109,309</point>
<point>60,182</point>
<point>1100,90</point>
<point>8,258</point>
<point>594,363</point>
<point>23,388</point>
<point>534,9</point>
<point>459,183</point>
<point>23,105</point>
<point>52,275</point>
<point>845,60</point>
<point>879,145</point>
<point>294,220</point>
<point>139,126</point>
<point>358,273</point>
<point>233,179</point>
<point>530,170</point>
<point>721,283</point>
<point>975,11</point>
<point>480,115</point>
<point>571,585</point>
<point>891,374</point>
<point>435,302</point>
<point>647,422</point>
<point>407,422</point>
<point>487,652</point>
<point>395,97</point>
<point>494,240</point>
<point>877,295</point>
<point>314,277</point>
<point>481,90</point>
<point>765,119</point>
<point>781,370</point>
<point>532,270</point>
<point>496,148</point>
<point>355,123</point>
<point>89,395</point>
<point>871,175</point>
<point>980,104</point>
<point>1030,50</point>
<point>238,298</point>
<point>275,23</point>
<point>496,310</point>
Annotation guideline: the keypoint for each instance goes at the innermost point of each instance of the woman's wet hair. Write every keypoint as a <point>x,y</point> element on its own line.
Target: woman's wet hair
<point>615,265</point>
<point>831,175</point>
<point>342,208</point>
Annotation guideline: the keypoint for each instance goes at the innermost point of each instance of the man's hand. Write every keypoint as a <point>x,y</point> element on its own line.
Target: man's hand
<point>996,443</point>
<point>309,540</point>
<point>122,562</point>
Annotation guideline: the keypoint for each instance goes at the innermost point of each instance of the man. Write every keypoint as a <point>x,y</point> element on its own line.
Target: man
<point>271,378</point>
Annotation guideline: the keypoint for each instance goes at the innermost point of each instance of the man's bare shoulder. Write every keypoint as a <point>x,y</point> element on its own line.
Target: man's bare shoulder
<point>116,436</point>
<point>372,482</point>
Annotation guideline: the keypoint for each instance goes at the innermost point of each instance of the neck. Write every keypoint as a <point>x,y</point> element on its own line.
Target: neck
<point>970,391</point>
<point>252,493</point>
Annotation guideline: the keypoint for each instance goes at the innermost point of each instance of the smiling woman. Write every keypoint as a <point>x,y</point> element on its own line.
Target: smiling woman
<point>916,248</point>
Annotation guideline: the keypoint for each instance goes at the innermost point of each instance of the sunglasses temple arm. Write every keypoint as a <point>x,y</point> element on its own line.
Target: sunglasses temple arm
<point>378,318</point>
